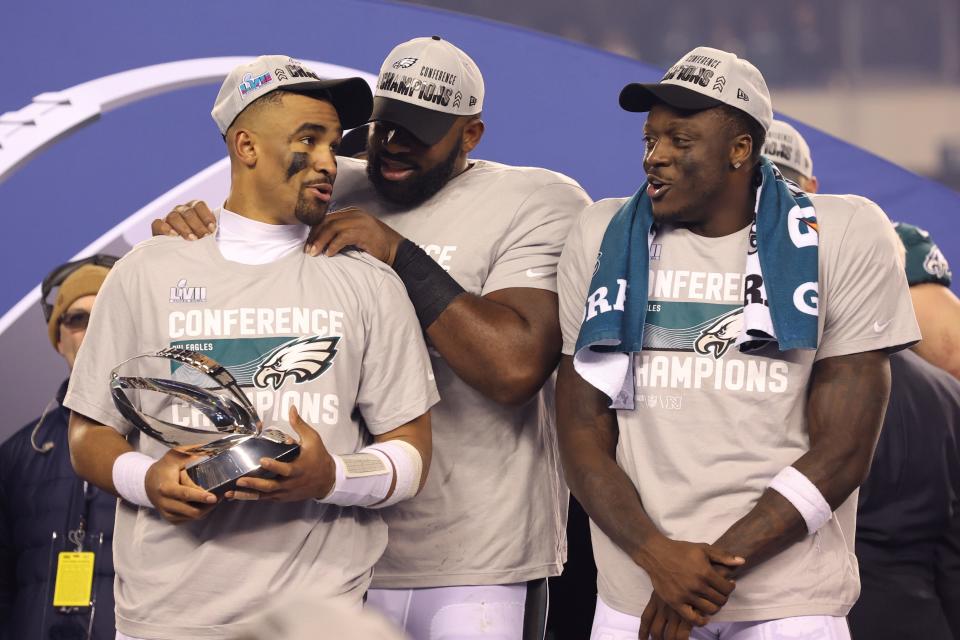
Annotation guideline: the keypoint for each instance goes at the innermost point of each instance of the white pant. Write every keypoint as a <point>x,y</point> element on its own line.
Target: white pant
<point>610,624</point>
<point>492,612</point>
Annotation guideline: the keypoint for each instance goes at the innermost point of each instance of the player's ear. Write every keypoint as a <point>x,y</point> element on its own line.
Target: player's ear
<point>741,148</point>
<point>242,145</point>
<point>472,132</point>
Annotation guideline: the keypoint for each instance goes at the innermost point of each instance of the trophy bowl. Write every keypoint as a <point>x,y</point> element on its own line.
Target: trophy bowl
<point>189,402</point>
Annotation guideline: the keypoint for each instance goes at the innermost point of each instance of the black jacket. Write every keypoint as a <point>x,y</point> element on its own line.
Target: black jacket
<point>40,494</point>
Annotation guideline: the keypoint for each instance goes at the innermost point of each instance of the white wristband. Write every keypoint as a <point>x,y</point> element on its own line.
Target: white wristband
<point>129,477</point>
<point>408,467</point>
<point>363,479</point>
<point>804,495</point>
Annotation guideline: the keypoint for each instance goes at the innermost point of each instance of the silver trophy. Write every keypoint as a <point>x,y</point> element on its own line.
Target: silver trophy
<point>191,403</point>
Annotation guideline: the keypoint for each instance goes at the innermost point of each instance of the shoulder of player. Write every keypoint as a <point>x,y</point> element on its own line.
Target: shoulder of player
<point>362,269</point>
<point>592,223</point>
<point>351,177</point>
<point>839,215</point>
<point>598,214</point>
<point>149,252</point>
<point>529,179</point>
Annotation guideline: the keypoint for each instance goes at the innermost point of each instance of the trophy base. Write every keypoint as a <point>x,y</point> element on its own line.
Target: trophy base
<point>219,473</point>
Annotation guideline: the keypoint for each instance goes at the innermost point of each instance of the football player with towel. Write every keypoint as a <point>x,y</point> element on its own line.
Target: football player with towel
<point>725,372</point>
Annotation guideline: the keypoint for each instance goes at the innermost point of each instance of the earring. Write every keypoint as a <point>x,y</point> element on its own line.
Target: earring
<point>736,165</point>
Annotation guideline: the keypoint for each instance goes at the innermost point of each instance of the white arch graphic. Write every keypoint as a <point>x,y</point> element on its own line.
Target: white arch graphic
<point>53,116</point>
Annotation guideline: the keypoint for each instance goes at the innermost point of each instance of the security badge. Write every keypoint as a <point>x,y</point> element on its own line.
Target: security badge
<point>74,584</point>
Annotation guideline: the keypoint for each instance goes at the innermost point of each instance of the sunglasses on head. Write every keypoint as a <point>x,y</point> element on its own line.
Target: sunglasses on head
<point>56,277</point>
<point>75,320</point>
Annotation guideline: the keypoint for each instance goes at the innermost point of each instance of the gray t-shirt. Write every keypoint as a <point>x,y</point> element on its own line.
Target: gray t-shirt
<point>201,579</point>
<point>493,510</point>
<point>713,425</point>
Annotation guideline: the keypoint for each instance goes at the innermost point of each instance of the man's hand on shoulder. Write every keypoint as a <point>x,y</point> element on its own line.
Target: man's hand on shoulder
<point>354,227</point>
<point>311,475</point>
<point>172,491</point>
<point>189,221</point>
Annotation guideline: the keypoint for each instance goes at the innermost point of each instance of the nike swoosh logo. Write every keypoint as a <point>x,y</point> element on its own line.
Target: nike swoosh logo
<point>877,327</point>
<point>533,273</point>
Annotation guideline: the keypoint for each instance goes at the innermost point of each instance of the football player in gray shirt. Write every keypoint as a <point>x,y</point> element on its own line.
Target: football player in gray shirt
<point>476,244</point>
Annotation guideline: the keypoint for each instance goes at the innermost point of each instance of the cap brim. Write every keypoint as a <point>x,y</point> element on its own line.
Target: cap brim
<point>354,142</point>
<point>639,97</point>
<point>351,97</point>
<point>427,125</point>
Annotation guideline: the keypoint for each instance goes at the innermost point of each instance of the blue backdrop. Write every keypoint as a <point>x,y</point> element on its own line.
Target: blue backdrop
<point>549,102</point>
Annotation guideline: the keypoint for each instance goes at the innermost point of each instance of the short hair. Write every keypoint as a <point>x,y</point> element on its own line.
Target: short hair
<point>272,99</point>
<point>739,122</point>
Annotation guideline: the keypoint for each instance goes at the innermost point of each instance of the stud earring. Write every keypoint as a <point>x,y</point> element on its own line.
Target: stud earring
<point>736,165</point>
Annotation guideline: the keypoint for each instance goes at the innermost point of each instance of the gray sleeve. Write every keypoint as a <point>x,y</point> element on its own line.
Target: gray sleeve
<point>529,254</point>
<point>110,339</point>
<point>573,279</point>
<point>863,289</point>
<point>396,379</point>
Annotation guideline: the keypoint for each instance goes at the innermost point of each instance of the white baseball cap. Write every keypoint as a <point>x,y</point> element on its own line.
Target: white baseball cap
<point>424,85</point>
<point>350,96</point>
<point>702,79</point>
<point>787,148</point>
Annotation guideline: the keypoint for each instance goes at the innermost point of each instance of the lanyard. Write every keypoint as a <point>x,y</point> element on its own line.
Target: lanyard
<point>78,536</point>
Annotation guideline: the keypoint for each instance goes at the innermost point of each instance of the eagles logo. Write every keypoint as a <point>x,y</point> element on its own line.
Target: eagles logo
<point>303,360</point>
<point>935,263</point>
<point>404,63</point>
<point>717,338</point>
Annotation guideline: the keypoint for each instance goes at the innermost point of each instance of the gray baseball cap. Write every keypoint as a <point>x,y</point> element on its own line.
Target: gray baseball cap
<point>787,148</point>
<point>424,85</point>
<point>702,79</point>
<point>351,97</point>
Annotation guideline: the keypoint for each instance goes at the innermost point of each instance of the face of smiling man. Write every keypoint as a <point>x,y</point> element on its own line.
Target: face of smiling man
<point>408,172</point>
<point>686,159</point>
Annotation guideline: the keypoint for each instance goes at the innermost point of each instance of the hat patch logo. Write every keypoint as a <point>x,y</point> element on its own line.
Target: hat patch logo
<point>692,73</point>
<point>742,96</point>
<point>296,71</point>
<point>404,63</point>
<point>473,100</point>
<point>252,84</point>
<point>431,92</point>
<point>720,83</point>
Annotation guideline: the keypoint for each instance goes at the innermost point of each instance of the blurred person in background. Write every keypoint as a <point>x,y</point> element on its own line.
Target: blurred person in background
<point>928,273</point>
<point>40,494</point>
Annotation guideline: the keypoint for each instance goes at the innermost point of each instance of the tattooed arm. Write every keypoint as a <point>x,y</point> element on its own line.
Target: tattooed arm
<point>845,408</point>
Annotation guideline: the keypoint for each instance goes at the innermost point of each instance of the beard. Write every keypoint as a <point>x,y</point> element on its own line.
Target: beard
<point>416,189</point>
<point>309,212</point>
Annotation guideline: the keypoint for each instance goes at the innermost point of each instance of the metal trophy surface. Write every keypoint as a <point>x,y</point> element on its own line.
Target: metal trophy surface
<point>191,403</point>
